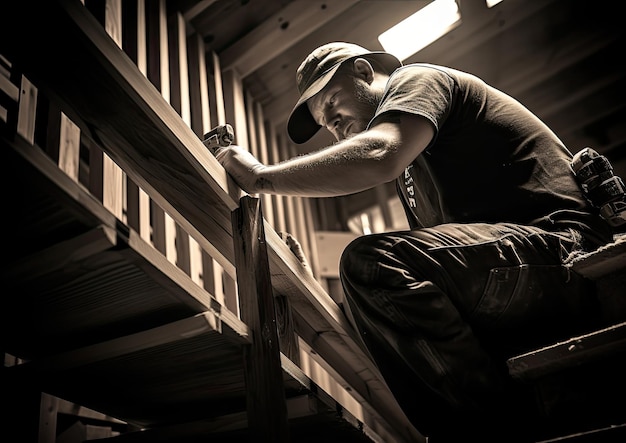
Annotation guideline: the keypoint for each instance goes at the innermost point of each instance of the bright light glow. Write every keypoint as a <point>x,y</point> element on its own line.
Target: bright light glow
<point>421,29</point>
<point>492,3</point>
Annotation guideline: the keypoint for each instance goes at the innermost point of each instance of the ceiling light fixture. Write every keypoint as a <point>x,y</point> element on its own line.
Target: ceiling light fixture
<point>421,29</point>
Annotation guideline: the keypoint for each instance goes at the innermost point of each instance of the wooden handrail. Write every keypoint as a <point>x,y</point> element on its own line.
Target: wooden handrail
<point>112,102</point>
<point>102,91</point>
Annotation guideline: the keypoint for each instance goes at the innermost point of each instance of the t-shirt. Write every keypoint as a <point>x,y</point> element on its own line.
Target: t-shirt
<point>491,160</point>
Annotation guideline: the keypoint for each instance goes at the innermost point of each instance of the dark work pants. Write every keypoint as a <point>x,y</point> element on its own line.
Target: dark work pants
<point>441,309</point>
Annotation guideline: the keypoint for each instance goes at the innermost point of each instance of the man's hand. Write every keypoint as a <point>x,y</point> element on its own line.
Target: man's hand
<point>296,248</point>
<point>242,166</point>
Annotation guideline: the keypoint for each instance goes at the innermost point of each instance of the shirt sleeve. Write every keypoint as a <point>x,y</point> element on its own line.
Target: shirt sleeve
<point>418,89</point>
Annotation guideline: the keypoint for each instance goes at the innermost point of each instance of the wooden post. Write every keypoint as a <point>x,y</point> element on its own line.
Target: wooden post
<point>266,404</point>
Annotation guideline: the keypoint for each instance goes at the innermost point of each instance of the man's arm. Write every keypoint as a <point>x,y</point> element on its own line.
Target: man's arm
<point>368,159</point>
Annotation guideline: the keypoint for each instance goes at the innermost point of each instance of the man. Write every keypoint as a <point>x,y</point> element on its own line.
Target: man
<point>494,210</point>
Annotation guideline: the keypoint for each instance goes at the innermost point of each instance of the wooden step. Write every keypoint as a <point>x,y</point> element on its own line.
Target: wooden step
<point>134,125</point>
<point>105,321</point>
<point>579,383</point>
<point>609,434</point>
<point>576,351</point>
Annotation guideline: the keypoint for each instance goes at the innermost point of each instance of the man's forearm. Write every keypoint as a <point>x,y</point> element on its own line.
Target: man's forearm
<point>350,166</point>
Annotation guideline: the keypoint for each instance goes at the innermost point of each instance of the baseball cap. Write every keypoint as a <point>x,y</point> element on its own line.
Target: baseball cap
<point>316,71</point>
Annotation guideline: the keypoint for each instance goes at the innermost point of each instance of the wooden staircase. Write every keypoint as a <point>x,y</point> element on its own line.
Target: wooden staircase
<point>111,205</point>
<point>579,383</point>
<point>104,327</point>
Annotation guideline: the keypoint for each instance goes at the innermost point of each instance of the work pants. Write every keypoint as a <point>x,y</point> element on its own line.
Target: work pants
<point>441,309</point>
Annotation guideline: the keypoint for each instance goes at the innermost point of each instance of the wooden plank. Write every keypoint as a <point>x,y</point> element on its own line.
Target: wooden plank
<point>11,90</point>
<point>39,170</point>
<point>219,106</point>
<point>58,256</point>
<point>158,51</point>
<point>572,352</point>
<point>285,28</point>
<point>182,245</point>
<point>69,147</point>
<point>603,261</point>
<point>178,66</point>
<point>277,200</point>
<point>264,383</point>
<point>234,111</point>
<point>207,322</point>
<point>302,230</point>
<point>113,180</point>
<point>159,74</point>
<point>5,66</point>
<point>607,434</point>
<point>27,110</point>
<point>109,14</point>
<point>147,138</point>
<point>197,8</point>
<point>69,408</point>
<point>314,252</point>
<point>127,116</point>
<point>263,157</point>
<point>110,235</point>
<point>47,419</point>
<point>134,44</point>
<point>198,86</point>
<point>235,106</point>
<point>253,141</point>
<point>334,338</point>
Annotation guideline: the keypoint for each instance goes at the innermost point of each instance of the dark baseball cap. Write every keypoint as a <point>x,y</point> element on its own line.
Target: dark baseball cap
<point>316,71</point>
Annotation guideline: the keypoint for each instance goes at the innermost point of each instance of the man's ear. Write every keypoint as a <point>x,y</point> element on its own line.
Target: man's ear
<point>363,69</point>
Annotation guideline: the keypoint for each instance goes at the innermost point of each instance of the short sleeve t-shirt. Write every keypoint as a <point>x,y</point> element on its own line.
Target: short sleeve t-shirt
<point>491,159</point>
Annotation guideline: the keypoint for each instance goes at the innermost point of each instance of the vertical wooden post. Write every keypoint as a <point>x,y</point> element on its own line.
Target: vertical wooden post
<point>266,199</point>
<point>134,44</point>
<point>267,408</point>
<point>27,110</point>
<point>278,200</point>
<point>113,186</point>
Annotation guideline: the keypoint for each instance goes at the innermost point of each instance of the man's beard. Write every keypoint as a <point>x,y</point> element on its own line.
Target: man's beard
<point>367,99</point>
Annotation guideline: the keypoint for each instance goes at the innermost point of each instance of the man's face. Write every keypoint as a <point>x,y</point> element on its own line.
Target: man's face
<point>345,105</point>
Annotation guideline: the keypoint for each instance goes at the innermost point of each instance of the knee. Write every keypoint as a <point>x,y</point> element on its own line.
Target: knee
<point>362,256</point>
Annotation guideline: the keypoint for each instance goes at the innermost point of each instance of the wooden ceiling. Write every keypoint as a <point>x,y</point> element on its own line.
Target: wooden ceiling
<point>562,58</point>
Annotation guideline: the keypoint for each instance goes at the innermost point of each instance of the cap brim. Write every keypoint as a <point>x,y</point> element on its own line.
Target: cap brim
<point>301,125</point>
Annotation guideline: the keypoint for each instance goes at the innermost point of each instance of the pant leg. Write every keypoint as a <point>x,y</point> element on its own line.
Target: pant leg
<point>441,308</point>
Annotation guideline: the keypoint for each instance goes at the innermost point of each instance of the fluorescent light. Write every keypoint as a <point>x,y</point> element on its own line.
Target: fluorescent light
<point>421,29</point>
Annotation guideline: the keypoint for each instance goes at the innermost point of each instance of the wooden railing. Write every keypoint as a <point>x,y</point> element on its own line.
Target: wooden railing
<point>121,112</point>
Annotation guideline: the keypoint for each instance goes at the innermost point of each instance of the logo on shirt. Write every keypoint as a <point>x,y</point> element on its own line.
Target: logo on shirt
<point>409,185</point>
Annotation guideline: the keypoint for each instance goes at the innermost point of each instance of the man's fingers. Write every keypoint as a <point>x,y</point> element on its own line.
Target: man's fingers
<point>219,154</point>
<point>295,247</point>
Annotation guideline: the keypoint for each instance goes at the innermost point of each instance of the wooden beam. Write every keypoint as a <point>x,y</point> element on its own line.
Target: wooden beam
<point>285,28</point>
<point>129,117</point>
<point>335,339</point>
<point>263,372</point>
<point>603,261</point>
<point>124,113</point>
<point>56,257</point>
<point>569,353</point>
<point>197,9</point>
<point>205,323</point>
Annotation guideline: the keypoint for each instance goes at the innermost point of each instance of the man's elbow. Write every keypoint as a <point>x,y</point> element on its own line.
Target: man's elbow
<point>383,169</point>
